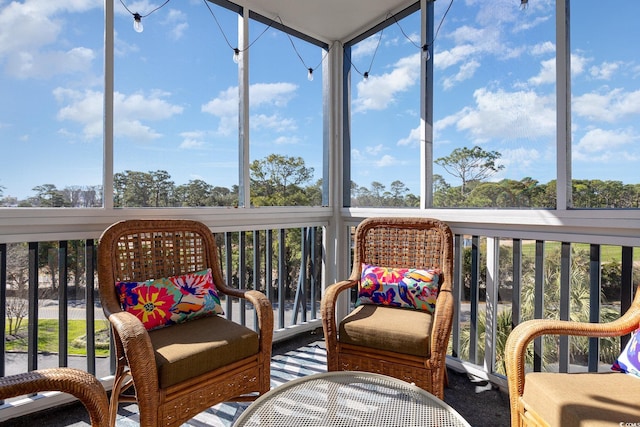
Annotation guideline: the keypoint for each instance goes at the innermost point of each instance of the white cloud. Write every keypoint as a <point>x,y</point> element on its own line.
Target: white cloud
<point>543,48</point>
<point>225,106</point>
<point>193,140</point>
<point>601,144</point>
<point>86,108</point>
<point>287,140</point>
<point>412,139</point>
<point>386,160</point>
<point>524,160</point>
<point>374,150</point>
<point>27,28</point>
<point>604,71</point>
<point>366,47</point>
<point>273,122</point>
<point>177,20</point>
<point>505,116</point>
<point>547,74</point>
<point>379,91</point>
<point>466,71</point>
<point>608,106</point>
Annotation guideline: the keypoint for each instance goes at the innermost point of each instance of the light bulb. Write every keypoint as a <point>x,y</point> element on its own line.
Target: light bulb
<point>310,75</point>
<point>366,75</point>
<point>426,55</point>
<point>236,55</point>
<point>137,23</point>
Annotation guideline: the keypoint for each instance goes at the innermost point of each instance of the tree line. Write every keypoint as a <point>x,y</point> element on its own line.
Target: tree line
<point>279,180</point>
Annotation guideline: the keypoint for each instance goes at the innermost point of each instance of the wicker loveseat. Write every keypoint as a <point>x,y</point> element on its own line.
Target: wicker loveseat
<point>409,344</point>
<point>571,399</point>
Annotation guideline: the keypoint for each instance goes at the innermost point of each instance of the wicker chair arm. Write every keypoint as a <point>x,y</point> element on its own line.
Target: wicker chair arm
<point>264,312</point>
<point>442,324</point>
<point>80,384</point>
<point>524,333</point>
<point>139,353</point>
<point>328,314</point>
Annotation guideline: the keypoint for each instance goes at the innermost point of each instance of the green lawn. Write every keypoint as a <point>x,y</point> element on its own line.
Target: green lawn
<point>48,337</point>
<point>608,253</point>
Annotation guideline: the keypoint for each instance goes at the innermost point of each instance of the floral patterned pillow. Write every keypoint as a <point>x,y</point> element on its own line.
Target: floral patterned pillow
<point>399,287</point>
<point>163,302</point>
<point>629,360</point>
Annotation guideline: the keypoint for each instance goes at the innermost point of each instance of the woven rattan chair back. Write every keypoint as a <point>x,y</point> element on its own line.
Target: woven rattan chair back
<point>399,243</point>
<point>139,250</point>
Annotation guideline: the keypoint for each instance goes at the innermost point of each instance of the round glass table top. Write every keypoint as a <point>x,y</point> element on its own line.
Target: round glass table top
<point>349,399</point>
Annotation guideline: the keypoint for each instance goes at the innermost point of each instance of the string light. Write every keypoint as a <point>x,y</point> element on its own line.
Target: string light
<point>137,23</point>
<point>365,75</point>
<point>426,54</point>
<point>236,55</point>
<point>137,18</point>
<point>524,4</point>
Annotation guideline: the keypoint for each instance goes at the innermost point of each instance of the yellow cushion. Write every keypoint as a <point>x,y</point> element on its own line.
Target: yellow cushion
<point>583,399</point>
<point>193,348</point>
<point>387,328</point>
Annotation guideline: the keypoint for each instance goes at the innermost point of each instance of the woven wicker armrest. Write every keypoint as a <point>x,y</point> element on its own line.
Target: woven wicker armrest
<point>328,312</point>
<point>264,312</point>
<point>80,384</point>
<point>138,349</point>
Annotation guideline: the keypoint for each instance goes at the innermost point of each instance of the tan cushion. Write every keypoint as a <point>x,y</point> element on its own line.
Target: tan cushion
<point>190,349</point>
<point>583,399</point>
<point>386,328</point>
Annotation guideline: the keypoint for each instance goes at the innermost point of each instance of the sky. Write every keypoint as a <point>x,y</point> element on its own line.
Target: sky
<point>176,89</point>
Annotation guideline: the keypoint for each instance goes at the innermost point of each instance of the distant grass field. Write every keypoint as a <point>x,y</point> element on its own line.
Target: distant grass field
<point>48,337</point>
<point>608,253</point>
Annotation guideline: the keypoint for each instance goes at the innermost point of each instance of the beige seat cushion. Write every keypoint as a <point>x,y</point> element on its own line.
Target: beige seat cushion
<point>386,328</point>
<point>583,399</point>
<point>193,348</point>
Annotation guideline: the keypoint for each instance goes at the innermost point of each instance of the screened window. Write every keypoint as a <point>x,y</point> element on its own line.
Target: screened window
<point>176,107</point>
<point>495,105</point>
<point>51,80</point>
<point>385,116</point>
<point>285,118</point>
<point>605,99</point>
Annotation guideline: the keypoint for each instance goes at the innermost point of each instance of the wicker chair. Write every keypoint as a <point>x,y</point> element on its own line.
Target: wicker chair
<point>180,370</point>
<point>382,335</point>
<point>571,399</point>
<point>80,384</point>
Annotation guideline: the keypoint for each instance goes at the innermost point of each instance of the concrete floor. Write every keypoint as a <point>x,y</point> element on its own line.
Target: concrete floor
<point>480,406</point>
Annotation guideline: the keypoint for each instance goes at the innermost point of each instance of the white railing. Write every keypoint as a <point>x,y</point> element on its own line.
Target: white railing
<point>482,232</point>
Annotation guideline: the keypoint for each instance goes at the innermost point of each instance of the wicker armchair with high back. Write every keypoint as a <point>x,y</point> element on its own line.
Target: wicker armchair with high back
<point>576,399</point>
<point>402,322</point>
<point>156,278</point>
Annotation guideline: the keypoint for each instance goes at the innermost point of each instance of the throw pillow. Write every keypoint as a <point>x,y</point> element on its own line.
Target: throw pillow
<point>166,301</point>
<point>399,287</point>
<point>629,360</point>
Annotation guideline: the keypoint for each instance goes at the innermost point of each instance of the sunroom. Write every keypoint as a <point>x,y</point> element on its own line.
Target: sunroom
<point>284,124</point>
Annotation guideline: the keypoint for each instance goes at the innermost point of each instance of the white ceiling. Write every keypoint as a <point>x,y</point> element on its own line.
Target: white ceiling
<point>327,20</point>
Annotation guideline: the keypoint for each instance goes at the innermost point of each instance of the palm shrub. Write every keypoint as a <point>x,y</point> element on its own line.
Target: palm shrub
<point>579,305</point>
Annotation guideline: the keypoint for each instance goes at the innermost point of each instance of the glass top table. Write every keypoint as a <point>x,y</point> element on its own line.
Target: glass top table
<point>349,399</point>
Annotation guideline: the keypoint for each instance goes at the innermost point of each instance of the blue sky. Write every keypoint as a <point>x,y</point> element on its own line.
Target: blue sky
<point>176,93</point>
